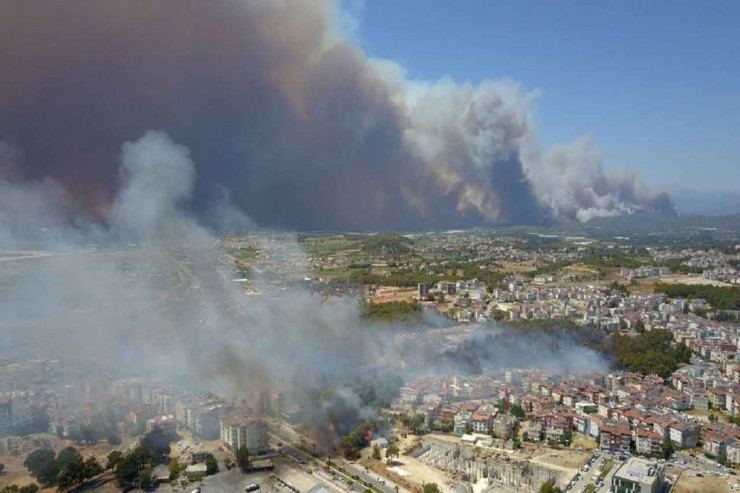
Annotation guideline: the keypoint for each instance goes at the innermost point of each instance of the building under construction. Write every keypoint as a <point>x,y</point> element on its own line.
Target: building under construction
<point>471,464</point>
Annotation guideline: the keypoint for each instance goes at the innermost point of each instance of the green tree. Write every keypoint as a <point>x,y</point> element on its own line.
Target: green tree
<point>392,451</point>
<point>114,440</point>
<point>376,452</point>
<point>431,488</point>
<point>67,455</point>
<point>242,459</point>
<point>174,469</point>
<point>648,353</point>
<point>89,435</point>
<point>414,422</point>
<point>393,311</point>
<point>145,478</point>
<point>14,488</point>
<point>640,326</point>
<point>128,469</point>
<point>355,440</point>
<point>157,442</point>
<point>568,437</point>
<point>2,468</point>
<point>211,466</point>
<point>92,468</point>
<point>549,487</point>
<point>667,448</point>
<point>72,475</point>
<point>74,472</point>
<point>720,297</point>
<point>517,410</point>
<point>113,459</point>
<point>41,464</point>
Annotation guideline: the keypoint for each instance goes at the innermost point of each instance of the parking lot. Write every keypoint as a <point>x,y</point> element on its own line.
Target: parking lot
<point>233,480</point>
<point>590,474</point>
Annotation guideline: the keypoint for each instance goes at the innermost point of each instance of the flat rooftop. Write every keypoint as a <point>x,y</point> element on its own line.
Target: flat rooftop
<point>639,470</point>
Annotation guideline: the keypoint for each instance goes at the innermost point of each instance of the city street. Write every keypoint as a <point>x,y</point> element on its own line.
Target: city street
<point>233,480</point>
<point>589,477</point>
<point>353,473</point>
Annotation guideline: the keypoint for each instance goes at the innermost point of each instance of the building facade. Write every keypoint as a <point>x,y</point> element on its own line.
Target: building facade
<point>249,432</point>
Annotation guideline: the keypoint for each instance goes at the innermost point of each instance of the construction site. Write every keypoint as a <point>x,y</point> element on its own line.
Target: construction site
<point>484,467</point>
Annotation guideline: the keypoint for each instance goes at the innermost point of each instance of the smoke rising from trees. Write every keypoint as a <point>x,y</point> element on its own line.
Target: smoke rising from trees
<point>296,126</point>
<point>150,294</point>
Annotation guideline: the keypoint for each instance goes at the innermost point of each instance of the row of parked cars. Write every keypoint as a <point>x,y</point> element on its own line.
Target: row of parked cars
<point>598,481</point>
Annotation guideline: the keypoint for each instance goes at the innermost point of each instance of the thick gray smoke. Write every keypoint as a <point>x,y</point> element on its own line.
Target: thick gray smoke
<point>156,279</point>
<point>151,294</point>
<point>295,125</point>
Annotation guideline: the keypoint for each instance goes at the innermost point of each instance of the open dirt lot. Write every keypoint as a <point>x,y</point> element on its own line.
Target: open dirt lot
<point>528,266</point>
<point>15,472</point>
<point>689,483</point>
<point>584,442</point>
<point>418,472</point>
<point>385,294</point>
<point>560,459</point>
<point>704,415</point>
<point>692,280</point>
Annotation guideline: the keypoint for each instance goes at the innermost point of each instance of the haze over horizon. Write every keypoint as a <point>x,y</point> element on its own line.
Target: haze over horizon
<point>290,119</point>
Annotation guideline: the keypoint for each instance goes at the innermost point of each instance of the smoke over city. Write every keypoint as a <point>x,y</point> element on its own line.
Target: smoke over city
<point>284,119</point>
<point>151,294</point>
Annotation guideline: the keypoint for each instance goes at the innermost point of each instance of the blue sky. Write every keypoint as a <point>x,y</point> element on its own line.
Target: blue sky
<point>656,83</point>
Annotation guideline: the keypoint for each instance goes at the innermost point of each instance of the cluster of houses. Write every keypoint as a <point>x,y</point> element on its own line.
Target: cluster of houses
<point>725,274</point>
<point>469,298</point>
<point>596,305</point>
<point>644,272</point>
<point>624,412</point>
<point>708,259</point>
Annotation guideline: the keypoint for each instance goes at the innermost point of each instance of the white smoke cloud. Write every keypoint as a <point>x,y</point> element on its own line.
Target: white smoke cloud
<point>166,306</point>
<point>158,177</point>
<point>571,180</point>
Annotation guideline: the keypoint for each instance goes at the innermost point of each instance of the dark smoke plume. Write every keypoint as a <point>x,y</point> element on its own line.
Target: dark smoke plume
<point>151,293</point>
<point>296,126</point>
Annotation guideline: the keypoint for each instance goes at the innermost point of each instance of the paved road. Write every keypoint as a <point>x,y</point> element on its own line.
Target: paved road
<point>586,478</point>
<point>225,481</point>
<point>704,466</point>
<point>353,472</point>
<point>379,482</point>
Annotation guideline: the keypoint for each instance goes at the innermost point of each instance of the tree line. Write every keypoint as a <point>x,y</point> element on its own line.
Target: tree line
<point>648,353</point>
<point>720,297</point>
<point>393,311</point>
<point>67,469</point>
